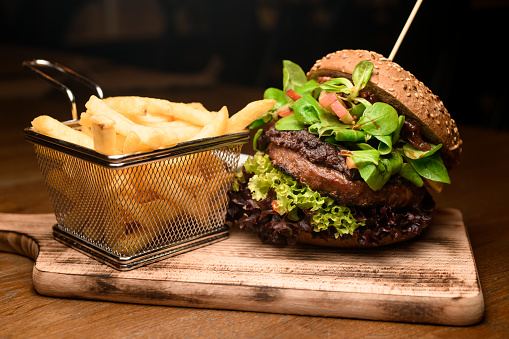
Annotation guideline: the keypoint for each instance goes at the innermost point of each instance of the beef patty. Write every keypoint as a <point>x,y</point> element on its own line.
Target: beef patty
<point>397,192</point>
<point>310,147</point>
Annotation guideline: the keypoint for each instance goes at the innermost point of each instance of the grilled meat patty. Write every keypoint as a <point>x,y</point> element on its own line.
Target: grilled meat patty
<point>320,166</point>
<point>396,193</point>
<point>310,147</point>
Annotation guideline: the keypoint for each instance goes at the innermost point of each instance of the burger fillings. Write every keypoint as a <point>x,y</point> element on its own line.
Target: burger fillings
<point>336,165</point>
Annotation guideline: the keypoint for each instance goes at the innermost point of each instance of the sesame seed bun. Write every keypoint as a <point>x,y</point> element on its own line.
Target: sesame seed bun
<point>399,88</point>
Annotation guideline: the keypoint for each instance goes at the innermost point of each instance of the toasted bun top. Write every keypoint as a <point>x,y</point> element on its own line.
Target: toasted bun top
<point>399,88</point>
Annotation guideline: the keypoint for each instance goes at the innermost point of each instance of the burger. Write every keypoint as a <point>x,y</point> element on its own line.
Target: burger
<point>349,156</point>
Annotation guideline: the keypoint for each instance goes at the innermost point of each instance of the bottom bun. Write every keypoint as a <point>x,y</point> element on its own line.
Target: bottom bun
<point>353,242</point>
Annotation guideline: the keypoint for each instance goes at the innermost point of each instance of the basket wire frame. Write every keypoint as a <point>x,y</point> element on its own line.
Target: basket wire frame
<point>129,216</point>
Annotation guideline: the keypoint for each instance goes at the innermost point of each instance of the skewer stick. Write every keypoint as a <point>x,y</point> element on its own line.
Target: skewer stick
<point>405,29</point>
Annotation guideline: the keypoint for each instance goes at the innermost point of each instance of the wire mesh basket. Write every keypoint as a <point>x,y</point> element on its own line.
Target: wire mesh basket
<point>129,210</point>
<point>132,209</point>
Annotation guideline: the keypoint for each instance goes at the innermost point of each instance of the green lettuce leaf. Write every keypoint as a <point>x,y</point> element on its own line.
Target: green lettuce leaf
<point>293,76</point>
<point>293,197</point>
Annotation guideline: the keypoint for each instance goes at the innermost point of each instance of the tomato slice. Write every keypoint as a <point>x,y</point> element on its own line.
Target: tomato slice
<point>327,100</point>
<point>284,111</point>
<point>293,95</point>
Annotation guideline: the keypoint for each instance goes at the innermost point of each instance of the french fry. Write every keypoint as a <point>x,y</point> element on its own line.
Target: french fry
<point>170,124</point>
<point>252,111</point>
<point>140,106</point>
<point>149,120</point>
<point>86,125</point>
<point>190,113</point>
<point>174,131</point>
<point>175,193</point>
<point>85,119</point>
<point>197,105</point>
<point>159,107</point>
<point>209,162</point>
<point>170,137</point>
<point>187,133</point>
<point>119,143</point>
<point>49,126</point>
<point>215,127</point>
<point>133,143</point>
<point>149,136</point>
<point>87,131</point>
<point>132,106</point>
<point>104,134</point>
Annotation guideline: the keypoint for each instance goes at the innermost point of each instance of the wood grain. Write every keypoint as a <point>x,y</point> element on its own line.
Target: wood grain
<point>431,280</point>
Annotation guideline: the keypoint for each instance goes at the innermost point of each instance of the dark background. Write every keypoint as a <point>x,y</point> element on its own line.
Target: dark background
<point>457,48</point>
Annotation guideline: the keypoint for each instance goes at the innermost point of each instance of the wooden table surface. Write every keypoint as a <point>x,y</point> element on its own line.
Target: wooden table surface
<point>480,190</point>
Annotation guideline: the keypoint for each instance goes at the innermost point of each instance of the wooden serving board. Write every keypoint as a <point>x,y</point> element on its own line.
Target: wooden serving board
<point>429,280</point>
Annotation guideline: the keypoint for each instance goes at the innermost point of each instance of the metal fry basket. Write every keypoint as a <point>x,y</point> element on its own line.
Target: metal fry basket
<point>130,210</point>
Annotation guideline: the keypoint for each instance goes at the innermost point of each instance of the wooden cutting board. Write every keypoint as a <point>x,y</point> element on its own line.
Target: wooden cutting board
<point>429,280</point>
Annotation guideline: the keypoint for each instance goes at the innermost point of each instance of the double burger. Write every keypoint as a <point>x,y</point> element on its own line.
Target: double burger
<point>347,157</point>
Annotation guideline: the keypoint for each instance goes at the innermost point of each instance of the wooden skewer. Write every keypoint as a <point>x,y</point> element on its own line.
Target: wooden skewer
<point>405,29</point>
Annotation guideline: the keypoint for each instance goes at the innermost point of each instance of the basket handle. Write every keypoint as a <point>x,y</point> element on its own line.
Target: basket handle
<point>35,66</point>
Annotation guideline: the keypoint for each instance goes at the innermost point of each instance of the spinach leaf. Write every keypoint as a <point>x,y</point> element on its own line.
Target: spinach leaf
<point>330,120</point>
<point>363,101</point>
<point>396,161</point>
<point>376,170</point>
<point>361,74</point>
<point>396,134</point>
<point>378,119</point>
<point>360,77</point>
<point>431,167</point>
<point>349,135</point>
<point>364,146</point>
<point>385,145</point>
<point>293,76</point>
<point>308,88</point>
<point>357,110</point>
<point>325,127</point>
<point>307,110</point>
<point>255,140</point>
<point>408,172</point>
<point>412,153</point>
<point>276,94</point>
<point>337,85</point>
<point>289,123</point>
<point>376,176</point>
<point>263,120</point>
<point>364,157</point>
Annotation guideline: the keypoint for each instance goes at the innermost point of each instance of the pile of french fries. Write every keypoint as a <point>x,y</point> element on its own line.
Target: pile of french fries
<point>126,125</point>
<point>127,209</point>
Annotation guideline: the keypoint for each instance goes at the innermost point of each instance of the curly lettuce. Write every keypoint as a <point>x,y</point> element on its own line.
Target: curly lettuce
<point>292,198</point>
